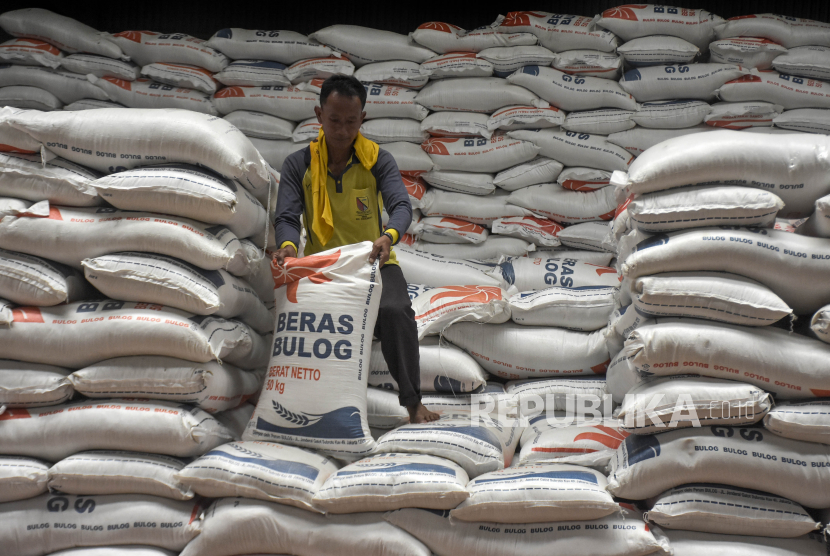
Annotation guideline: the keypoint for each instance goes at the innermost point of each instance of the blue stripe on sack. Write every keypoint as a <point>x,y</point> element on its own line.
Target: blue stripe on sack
<point>479,433</point>
<point>279,465</point>
<point>402,468</point>
<point>569,475</point>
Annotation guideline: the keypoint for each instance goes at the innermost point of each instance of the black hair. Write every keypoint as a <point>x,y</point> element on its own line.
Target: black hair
<point>346,85</point>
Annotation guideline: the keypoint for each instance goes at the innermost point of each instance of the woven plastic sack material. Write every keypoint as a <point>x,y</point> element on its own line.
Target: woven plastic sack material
<point>457,64</point>
<point>435,229</point>
<point>318,68</point>
<point>572,395</point>
<point>507,59</point>
<point>285,47</point>
<point>713,296</point>
<point>730,511</point>
<point>805,61</point>
<point>539,231</point>
<point>533,274</point>
<point>470,183</point>
<point>756,459</point>
<point>275,152</point>
<point>482,210</point>
<point>589,236</point>
<point>261,470</point>
<point>131,550</point>
<point>398,73</point>
<point>584,309</point>
<point>494,248</point>
<point>457,124</point>
<point>187,191</point>
<point>22,478</point>
<point>389,101</point>
<point>29,98</point>
<point>289,103</point>
<point>682,401</point>
<point>322,326</point>
<point>261,125</point>
<point>58,181</point>
<point>638,140</point>
<point>691,543</point>
<point>533,172</point>
<point>788,91</point>
<point>393,481</point>
<point>800,420</point>
<point>444,368</point>
<point>525,117</point>
<point>577,149</point>
<point>553,201</point>
<point>658,50</point>
<point>249,526</point>
<point>788,365</point>
<point>91,104</point>
<point>537,494</point>
<point>13,140</point>
<point>586,440</point>
<point>559,32</point>
<point>100,66</point>
<point>208,386</point>
<point>447,38</point>
<point>66,86</point>
<point>253,73</point>
<point>66,33</point>
<point>306,130</point>
<point>572,92</point>
<point>742,115</point>
<point>148,47</point>
<point>436,271</point>
<point>79,334</point>
<point>56,432</point>
<point>439,308</point>
<point>477,94</point>
<point>392,130</point>
<point>80,521</point>
<point>235,419</point>
<point>28,280</point>
<point>736,158</point>
<point>502,349</point>
<point>687,81</point>
<point>580,178</point>
<point>25,385</point>
<point>636,21</point>
<point>30,52</point>
<point>416,188</point>
<point>602,122</point>
<point>671,114</point>
<point>9,206</point>
<point>590,63</point>
<point>807,120</point>
<point>110,140</point>
<point>363,45</point>
<point>787,31</point>
<point>118,472</point>
<point>181,75</point>
<point>748,52</point>
<point>479,154</point>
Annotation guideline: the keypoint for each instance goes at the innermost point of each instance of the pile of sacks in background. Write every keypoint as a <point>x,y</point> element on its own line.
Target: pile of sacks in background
<point>574,220</point>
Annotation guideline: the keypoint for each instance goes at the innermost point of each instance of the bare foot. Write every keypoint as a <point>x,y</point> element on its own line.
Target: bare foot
<point>420,414</point>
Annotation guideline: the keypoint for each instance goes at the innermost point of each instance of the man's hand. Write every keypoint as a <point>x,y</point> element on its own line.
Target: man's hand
<point>380,250</point>
<point>280,255</point>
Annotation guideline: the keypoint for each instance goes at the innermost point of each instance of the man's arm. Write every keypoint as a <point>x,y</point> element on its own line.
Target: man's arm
<point>393,192</point>
<point>287,226</point>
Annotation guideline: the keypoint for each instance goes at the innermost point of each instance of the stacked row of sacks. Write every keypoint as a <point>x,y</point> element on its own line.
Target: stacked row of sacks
<point>132,338</point>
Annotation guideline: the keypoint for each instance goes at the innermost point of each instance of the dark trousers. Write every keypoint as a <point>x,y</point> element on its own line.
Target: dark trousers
<point>398,335</point>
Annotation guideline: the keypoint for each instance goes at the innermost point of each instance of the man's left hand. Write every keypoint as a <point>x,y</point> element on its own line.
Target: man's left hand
<point>380,250</point>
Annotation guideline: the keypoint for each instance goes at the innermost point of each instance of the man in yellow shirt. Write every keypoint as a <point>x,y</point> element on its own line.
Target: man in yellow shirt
<point>339,184</point>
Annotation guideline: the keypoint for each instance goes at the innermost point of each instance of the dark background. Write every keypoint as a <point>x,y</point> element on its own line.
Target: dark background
<point>202,19</point>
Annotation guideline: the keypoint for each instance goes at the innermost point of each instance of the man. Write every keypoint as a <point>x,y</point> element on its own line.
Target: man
<point>335,183</point>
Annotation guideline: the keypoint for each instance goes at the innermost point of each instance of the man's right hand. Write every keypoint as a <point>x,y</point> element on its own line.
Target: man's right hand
<point>280,255</point>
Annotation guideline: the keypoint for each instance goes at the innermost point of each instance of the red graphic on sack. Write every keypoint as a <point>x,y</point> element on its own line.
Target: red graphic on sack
<point>608,215</point>
<point>295,270</point>
<point>32,43</point>
<point>123,83</point>
<point>542,224</point>
<point>607,436</point>
<point>134,36</point>
<point>601,368</point>
<point>742,17</point>
<point>461,226</point>
<point>11,149</point>
<point>414,187</point>
<point>624,12</point>
<point>55,213</point>
<point>520,19</point>
<point>746,79</point>
<point>407,239</point>
<point>27,314</point>
<point>623,206</point>
<point>462,294</point>
<point>229,92</point>
<point>10,414</point>
<point>439,26</point>
<point>189,68</point>
<point>437,145</point>
<point>604,270</point>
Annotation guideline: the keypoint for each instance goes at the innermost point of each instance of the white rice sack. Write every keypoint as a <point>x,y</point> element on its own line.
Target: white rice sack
<point>785,90</point>
<point>748,52</point>
<point>58,181</point>
<point>730,511</point>
<point>553,201</point>
<point>786,31</point>
<point>9,206</point>
<point>235,419</point>
<point>742,115</point>
<point>560,32</point>
<point>25,385</point>
<point>477,94</point>
<point>56,432</point>
<point>209,386</point>
<point>79,334</point>
<point>29,98</point>
<point>66,86</point>
<point>790,366</point>
<point>392,481</point>
<point>659,405</point>
<point>501,349</point>
<point>671,114</point>
<point>493,248</point>
<point>686,81</point>
<point>289,103</point>
<point>735,158</point>
<point>30,52</point>
<point>448,38</point>
<point>713,296</point>
<point>741,457</point>
<point>591,63</point>
<point>657,50</point>
<point>391,130</point>
<point>285,47</point>
<point>539,273</point>
<point>457,124</point>
<point>91,104</point>
<point>435,229</point>
<point>275,152</point>
<point>457,64</point>
<point>801,420</point>
<point>27,280</point>
<point>588,441</point>
<point>14,140</point>
<point>580,178</point>
<point>148,47</point>
<point>132,550</point>
<point>479,154</point>
<point>575,396</point>
<point>691,543</point>
<point>481,210</point>
<point>525,117</point>
<point>439,308</point>
<point>639,139</point>
<point>261,125</point>
<point>233,526</point>
<point>533,172</point>
<point>261,470</point>
<point>584,309</point>
<point>318,68</point>
<point>590,236</point>
<point>363,45</point>
<point>306,130</point>
<point>389,101</point>
<point>180,75</point>
<point>507,59</point>
<point>253,73</point>
<point>436,271</point>
<point>400,73</point>
<point>64,32</point>
<point>572,92</point>
<point>444,368</point>
<point>416,188</point>
<point>807,120</point>
<point>577,149</point>
<point>635,21</point>
<point>539,231</point>
<point>100,66</point>
<point>805,61</point>
<point>119,472</point>
<point>21,478</point>
<point>603,122</point>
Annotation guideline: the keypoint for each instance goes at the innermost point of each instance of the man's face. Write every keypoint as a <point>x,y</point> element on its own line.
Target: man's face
<point>341,117</point>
